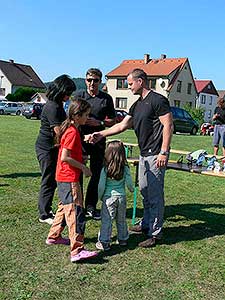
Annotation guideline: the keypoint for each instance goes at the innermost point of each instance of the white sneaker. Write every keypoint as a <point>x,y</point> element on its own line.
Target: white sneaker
<point>48,221</point>
<point>102,246</point>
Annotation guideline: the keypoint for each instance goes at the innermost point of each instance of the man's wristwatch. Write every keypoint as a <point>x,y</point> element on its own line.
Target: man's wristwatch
<point>164,152</point>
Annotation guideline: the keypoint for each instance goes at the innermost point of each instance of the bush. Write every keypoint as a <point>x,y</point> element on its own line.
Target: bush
<point>196,113</point>
<point>22,94</point>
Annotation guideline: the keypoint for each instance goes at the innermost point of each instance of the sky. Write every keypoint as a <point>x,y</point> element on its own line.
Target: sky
<point>68,37</point>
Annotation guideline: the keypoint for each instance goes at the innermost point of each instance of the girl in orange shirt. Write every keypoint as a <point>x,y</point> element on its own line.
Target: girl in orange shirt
<point>69,167</point>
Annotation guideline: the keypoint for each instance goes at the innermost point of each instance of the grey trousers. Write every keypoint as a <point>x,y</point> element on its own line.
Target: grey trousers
<point>113,208</point>
<point>151,184</point>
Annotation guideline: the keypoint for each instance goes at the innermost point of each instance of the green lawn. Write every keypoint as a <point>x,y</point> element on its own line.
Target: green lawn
<point>188,264</point>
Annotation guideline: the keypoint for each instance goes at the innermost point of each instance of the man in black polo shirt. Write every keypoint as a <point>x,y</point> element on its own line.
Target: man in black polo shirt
<point>152,121</point>
<point>102,114</point>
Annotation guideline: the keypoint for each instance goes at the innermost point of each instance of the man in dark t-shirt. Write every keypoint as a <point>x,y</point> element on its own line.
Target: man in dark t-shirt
<point>219,128</point>
<point>102,114</point>
<point>152,121</point>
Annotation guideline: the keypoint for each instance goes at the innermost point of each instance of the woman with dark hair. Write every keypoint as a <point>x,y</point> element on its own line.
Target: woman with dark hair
<point>52,116</point>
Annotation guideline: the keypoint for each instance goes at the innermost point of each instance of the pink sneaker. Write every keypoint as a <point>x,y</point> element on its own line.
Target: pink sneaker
<point>83,254</point>
<point>59,241</point>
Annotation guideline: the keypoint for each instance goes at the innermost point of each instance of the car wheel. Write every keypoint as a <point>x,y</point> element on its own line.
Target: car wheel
<point>194,131</point>
<point>18,112</point>
<point>1,112</point>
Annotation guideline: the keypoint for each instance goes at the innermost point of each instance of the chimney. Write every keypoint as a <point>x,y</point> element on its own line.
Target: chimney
<point>146,58</point>
<point>163,56</point>
<point>11,61</point>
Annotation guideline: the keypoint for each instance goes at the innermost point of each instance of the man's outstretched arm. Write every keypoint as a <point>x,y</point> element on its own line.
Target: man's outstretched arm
<point>115,129</point>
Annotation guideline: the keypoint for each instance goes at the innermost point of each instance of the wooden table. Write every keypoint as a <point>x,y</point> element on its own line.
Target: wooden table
<point>173,165</point>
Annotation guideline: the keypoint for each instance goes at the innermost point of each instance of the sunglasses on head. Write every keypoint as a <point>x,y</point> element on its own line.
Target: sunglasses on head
<point>95,80</point>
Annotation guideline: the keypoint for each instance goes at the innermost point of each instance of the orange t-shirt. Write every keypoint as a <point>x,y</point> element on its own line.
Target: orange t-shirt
<point>70,140</point>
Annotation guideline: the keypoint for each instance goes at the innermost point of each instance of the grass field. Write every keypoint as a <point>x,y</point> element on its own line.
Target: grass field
<point>188,264</point>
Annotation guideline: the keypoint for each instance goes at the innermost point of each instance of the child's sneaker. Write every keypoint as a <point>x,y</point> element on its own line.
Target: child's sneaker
<point>59,241</point>
<point>102,246</point>
<point>82,255</point>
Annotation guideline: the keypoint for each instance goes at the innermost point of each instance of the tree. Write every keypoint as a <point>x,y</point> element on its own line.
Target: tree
<point>23,94</point>
<point>196,113</point>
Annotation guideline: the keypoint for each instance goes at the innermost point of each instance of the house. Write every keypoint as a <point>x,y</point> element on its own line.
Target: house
<point>39,98</point>
<point>171,77</point>
<point>207,97</point>
<point>14,76</point>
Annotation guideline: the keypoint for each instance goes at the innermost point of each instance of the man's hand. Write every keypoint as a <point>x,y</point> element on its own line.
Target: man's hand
<point>93,138</point>
<point>87,137</point>
<point>161,161</point>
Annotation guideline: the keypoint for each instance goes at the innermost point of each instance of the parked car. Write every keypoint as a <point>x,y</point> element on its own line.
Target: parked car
<point>33,110</point>
<point>183,121</point>
<point>12,108</point>
<point>2,107</point>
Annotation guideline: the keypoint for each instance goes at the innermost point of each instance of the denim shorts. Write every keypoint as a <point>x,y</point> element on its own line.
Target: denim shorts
<point>219,133</point>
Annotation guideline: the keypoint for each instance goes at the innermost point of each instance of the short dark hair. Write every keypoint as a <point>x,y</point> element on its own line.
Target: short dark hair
<point>94,71</point>
<point>139,73</point>
<point>62,86</point>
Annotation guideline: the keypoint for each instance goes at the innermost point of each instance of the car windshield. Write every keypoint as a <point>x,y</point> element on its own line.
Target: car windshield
<point>28,105</point>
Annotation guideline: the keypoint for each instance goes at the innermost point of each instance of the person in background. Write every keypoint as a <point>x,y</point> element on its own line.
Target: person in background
<point>102,114</point>
<point>114,176</point>
<point>69,167</point>
<point>151,118</point>
<point>52,116</point>
<point>219,126</point>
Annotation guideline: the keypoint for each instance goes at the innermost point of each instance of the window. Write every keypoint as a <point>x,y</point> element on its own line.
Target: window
<point>189,88</point>
<point>122,84</point>
<point>2,92</point>
<point>152,83</point>
<point>210,100</point>
<point>177,103</point>
<point>203,99</point>
<point>186,115</point>
<point>121,103</point>
<point>179,83</point>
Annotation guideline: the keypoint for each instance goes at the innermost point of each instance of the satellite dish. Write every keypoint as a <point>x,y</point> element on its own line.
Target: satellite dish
<point>160,80</point>
<point>161,83</point>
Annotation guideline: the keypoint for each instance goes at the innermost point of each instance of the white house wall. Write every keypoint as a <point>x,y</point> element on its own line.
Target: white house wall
<point>120,93</point>
<point>5,83</point>
<point>185,76</point>
<point>209,108</point>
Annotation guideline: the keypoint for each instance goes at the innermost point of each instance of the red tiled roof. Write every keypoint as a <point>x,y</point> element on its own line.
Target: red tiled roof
<point>21,75</point>
<point>202,87</point>
<point>155,67</point>
<point>201,84</point>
